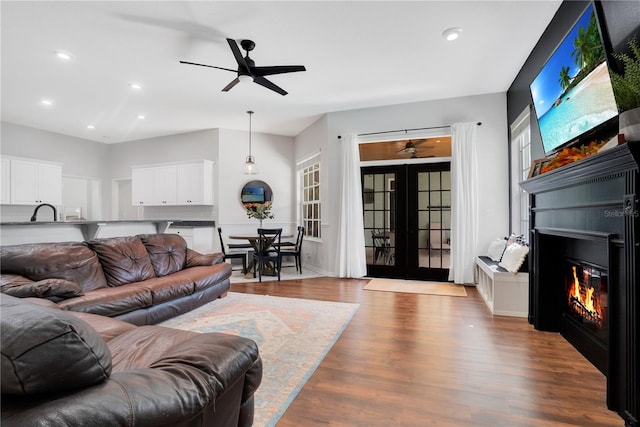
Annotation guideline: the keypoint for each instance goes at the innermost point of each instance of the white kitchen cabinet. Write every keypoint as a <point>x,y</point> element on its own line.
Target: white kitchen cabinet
<point>164,185</point>
<point>173,184</point>
<point>195,183</point>
<point>142,186</point>
<point>34,182</point>
<point>5,197</point>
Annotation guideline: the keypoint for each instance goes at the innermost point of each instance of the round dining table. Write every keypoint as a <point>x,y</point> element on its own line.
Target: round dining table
<point>254,241</point>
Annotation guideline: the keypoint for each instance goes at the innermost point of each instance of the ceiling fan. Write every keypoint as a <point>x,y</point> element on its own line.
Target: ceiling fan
<point>412,148</point>
<point>247,68</point>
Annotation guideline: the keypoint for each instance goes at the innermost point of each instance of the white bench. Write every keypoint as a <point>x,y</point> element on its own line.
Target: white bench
<point>505,293</point>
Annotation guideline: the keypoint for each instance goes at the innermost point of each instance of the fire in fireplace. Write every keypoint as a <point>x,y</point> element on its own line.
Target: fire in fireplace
<point>586,290</point>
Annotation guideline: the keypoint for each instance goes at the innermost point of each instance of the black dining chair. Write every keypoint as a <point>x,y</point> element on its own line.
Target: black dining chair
<point>296,251</point>
<point>236,255</point>
<point>268,253</point>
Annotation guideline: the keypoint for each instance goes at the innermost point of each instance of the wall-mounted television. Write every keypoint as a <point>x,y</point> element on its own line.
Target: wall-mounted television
<point>572,95</point>
<point>253,195</point>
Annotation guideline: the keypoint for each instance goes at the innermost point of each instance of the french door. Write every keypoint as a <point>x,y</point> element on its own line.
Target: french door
<point>407,220</point>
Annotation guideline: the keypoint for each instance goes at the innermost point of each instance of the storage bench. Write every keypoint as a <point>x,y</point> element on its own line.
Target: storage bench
<point>505,293</point>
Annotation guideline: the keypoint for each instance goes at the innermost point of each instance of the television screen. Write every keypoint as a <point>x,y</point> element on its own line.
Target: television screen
<point>572,94</point>
<point>253,195</point>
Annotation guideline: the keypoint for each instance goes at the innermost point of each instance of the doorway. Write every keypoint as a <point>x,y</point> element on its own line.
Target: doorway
<point>407,220</point>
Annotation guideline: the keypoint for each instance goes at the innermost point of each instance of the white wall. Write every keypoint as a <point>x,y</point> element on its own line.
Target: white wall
<point>492,156</point>
<point>274,156</point>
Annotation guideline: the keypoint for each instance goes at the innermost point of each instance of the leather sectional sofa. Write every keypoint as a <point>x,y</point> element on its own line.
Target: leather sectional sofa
<point>63,368</point>
<point>141,279</point>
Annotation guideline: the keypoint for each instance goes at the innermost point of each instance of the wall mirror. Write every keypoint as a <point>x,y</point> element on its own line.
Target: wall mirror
<point>255,192</point>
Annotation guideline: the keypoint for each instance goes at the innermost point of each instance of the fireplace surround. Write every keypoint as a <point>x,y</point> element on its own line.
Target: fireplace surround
<point>586,215</point>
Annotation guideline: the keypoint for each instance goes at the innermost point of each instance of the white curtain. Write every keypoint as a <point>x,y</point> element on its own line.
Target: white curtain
<point>464,202</point>
<point>351,260</point>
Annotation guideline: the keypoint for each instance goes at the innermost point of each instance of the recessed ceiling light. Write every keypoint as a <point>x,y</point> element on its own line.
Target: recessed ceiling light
<point>135,86</point>
<point>91,127</point>
<point>46,102</point>
<point>66,56</point>
<point>141,116</point>
<point>451,34</point>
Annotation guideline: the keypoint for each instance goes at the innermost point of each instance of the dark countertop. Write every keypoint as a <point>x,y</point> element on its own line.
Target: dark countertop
<point>173,222</point>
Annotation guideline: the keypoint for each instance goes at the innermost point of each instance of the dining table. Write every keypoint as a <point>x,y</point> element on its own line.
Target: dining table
<point>254,241</point>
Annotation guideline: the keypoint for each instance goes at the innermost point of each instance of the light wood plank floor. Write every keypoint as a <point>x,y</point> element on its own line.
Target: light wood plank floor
<point>423,360</point>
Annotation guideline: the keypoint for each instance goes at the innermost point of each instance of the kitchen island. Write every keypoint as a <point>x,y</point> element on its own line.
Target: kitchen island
<point>15,233</point>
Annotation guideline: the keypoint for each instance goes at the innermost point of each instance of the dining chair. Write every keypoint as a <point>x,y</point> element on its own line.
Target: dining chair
<point>268,253</point>
<point>237,255</point>
<point>296,251</point>
<point>380,239</point>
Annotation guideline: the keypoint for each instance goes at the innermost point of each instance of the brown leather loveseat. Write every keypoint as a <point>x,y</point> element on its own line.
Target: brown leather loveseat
<point>141,279</point>
<point>61,368</point>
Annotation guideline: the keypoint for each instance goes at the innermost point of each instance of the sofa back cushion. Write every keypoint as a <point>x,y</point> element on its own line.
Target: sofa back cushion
<point>48,350</point>
<point>168,252</point>
<point>72,261</point>
<point>124,259</point>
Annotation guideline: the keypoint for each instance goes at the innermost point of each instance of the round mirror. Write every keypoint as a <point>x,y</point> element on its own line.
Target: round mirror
<point>255,193</point>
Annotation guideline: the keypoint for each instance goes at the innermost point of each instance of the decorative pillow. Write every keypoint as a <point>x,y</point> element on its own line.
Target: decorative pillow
<point>516,238</point>
<point>22,287</point>
<point>513,257</point>
<point>496,249</point>
<point>46,350</point>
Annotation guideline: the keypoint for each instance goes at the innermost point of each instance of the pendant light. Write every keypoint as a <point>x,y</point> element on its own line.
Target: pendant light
<point>250,167</point>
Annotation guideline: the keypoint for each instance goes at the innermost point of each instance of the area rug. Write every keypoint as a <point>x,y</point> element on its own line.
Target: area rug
<point>416,287</point>
<point>293,336</point>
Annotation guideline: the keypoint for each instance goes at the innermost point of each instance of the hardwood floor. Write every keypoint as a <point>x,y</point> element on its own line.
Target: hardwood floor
<point>424,360</point>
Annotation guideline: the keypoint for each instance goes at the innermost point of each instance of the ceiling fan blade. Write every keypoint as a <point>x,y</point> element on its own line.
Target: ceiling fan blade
<point>230,85</point>
<point>210,66</point>
<point>269,85</point>
<point>238,55</point>
<point>280,69</point>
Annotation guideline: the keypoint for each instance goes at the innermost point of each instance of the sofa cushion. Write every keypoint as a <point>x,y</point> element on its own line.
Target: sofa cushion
<point>124,259</point>
<point>170,287</point>
<point>54,289</point>
<point>195,259</point>
<point>168,252</point>
<point>110,301</point>
<point>47,350</point>
<point>72,261</point>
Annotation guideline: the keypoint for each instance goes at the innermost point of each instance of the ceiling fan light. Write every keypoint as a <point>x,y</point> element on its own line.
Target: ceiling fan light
<point>244,78</point>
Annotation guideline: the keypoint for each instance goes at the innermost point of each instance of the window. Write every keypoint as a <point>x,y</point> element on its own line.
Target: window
<point>520,165</point>
<point>309,173</point>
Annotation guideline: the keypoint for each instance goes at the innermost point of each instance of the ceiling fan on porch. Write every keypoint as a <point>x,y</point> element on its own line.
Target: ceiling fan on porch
<point>412,148</point>
<point>247,69</point>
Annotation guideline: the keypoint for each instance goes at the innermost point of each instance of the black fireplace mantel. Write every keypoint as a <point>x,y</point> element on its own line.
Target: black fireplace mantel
<point>589,210</point>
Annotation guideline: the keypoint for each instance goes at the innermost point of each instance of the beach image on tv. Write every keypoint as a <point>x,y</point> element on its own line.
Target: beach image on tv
<point>253,194</point>
<point>573,92</point>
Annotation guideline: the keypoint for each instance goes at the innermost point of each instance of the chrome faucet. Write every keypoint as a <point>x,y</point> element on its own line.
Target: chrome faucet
<point>35,212</point>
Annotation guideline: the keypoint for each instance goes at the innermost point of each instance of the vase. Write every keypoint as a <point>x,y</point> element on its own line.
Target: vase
<point>260,223</point>
<point>629,124</point>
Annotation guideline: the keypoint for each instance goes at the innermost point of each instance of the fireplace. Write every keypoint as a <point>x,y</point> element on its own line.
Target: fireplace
<point>583,265</point>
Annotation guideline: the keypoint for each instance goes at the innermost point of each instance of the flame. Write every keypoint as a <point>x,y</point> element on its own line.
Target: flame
<point>588,301</point>
<point>576,284</point>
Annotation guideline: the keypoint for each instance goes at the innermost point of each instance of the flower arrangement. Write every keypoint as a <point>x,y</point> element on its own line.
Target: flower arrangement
<point>259,210</point>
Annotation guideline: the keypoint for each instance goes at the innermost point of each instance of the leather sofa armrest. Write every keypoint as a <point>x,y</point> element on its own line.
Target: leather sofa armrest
<point>196,259</point>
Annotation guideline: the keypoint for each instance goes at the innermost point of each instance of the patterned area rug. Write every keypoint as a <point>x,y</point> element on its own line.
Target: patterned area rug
<point>293,336</point>
<point>416,287</point>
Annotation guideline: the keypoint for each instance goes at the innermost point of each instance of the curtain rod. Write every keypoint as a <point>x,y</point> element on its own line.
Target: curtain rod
<point>407,130</point>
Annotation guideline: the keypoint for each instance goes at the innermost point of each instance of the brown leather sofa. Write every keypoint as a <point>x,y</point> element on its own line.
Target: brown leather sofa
<point>61,368</point>
<point>141,279</point>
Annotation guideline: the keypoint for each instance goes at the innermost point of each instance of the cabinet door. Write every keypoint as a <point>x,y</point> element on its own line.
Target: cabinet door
<point>5,197</point>
<point>24,182</point>
<point>195,184</point>
<point>164,182</point>
<point>50,184</point>
<point>142,186</point>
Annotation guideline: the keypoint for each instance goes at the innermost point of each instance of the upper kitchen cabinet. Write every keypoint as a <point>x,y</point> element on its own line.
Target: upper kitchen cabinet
<point>173,184</point>
<point>34,182</point>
